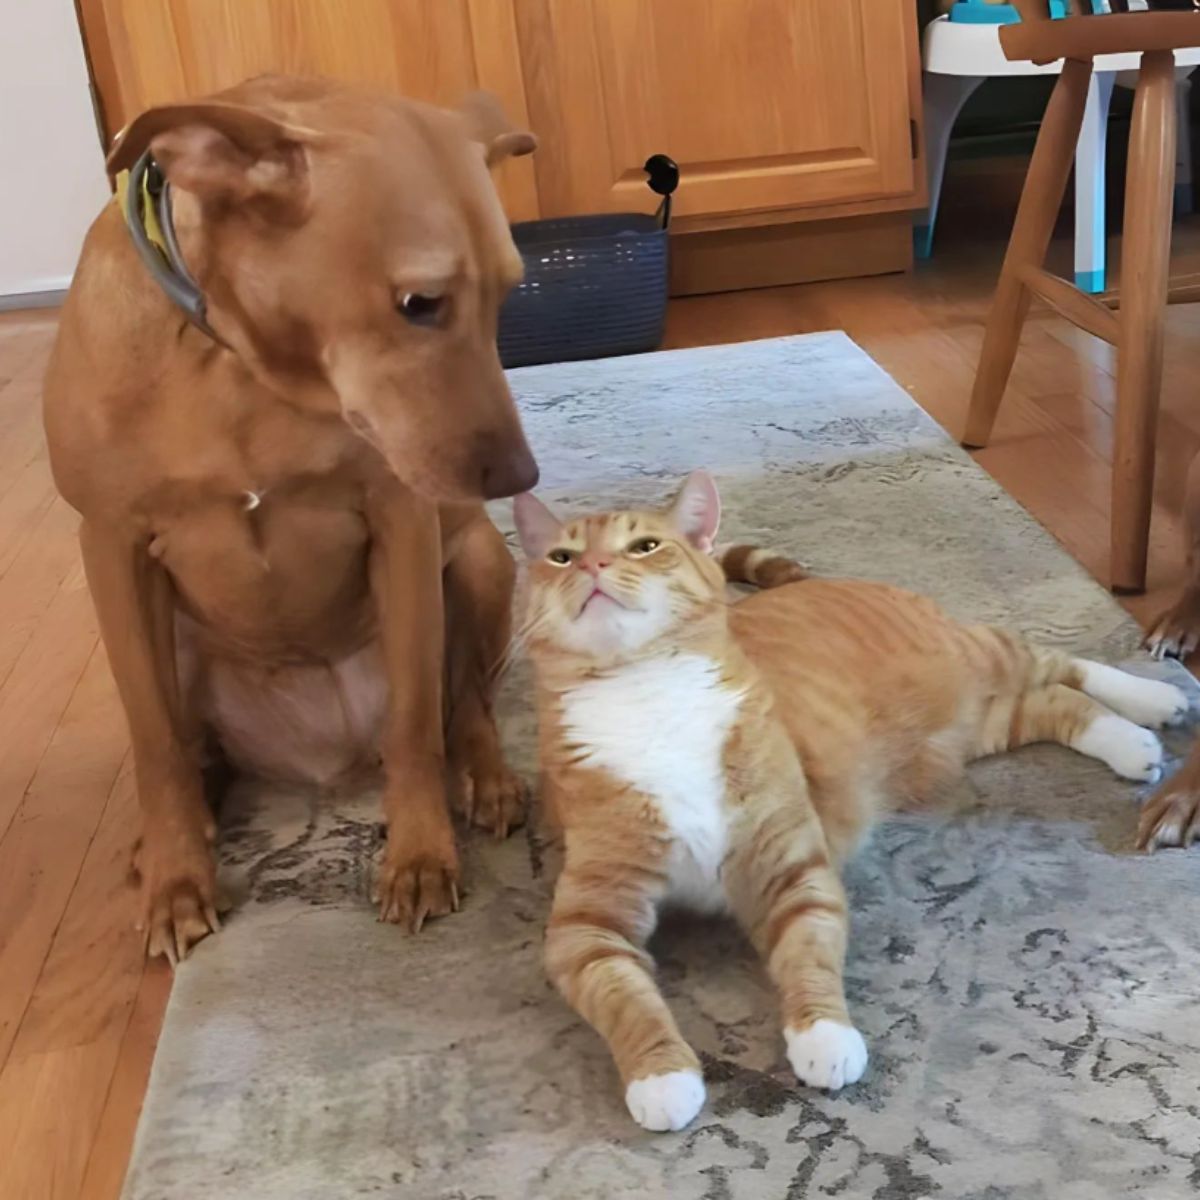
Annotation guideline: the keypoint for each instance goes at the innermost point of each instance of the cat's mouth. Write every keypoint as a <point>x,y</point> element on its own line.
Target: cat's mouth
<point>597,598</point>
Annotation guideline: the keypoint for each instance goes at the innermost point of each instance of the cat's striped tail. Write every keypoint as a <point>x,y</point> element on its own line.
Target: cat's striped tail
<point>757,566</point>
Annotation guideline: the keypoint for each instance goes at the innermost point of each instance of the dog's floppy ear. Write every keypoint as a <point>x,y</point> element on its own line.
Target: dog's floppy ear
<point>487,125</point>
<point>537,527</point>
<point>218,151</point>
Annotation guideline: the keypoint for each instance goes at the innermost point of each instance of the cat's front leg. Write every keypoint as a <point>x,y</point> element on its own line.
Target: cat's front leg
<point>788,896</point>
<point>603,914</point>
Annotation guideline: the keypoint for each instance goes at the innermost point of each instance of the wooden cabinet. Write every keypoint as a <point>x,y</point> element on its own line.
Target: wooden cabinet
<point>779,112</point>
<point>146,52</point>
<point>765,104</point>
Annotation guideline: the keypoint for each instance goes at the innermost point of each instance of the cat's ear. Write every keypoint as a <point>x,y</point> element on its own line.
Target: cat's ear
<point>696,512</point>
<point>537,527</point>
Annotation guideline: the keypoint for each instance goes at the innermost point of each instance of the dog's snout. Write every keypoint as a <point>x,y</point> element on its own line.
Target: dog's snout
<point>508,473</point>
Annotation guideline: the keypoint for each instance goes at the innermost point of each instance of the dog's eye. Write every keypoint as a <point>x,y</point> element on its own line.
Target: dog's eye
<point>422,310</point>
<point>642,547</point>
<point>560,558</point>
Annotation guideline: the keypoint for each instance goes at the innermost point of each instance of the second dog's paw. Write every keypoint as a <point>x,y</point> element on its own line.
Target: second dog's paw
<point>827,1054</point>
<point>1176,633</point>
<point>1171,817</point>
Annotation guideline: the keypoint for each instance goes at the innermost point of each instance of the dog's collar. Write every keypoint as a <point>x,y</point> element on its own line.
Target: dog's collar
<point>145,199</point>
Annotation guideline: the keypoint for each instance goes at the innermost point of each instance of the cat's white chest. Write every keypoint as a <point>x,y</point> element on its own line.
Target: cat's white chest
<point>660,726</point>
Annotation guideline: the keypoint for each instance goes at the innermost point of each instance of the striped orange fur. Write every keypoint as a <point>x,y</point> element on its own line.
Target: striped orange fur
<point>730,756</point>
<point>762,568</point>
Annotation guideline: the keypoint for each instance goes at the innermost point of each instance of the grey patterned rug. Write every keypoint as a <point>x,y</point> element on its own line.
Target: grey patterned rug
<point>1027,986</point>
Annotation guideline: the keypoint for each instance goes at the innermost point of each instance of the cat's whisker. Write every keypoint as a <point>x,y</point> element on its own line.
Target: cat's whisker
<point>518,643</point>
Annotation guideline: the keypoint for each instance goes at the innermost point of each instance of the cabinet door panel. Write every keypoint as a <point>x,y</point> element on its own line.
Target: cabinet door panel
<point>763,103</point>
<point>435,50</point>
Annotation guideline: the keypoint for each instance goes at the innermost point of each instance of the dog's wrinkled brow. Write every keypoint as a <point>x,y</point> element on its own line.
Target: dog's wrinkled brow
<point>429,271</point>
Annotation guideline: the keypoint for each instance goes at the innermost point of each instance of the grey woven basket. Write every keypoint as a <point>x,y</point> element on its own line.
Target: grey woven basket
<point>594,286</point>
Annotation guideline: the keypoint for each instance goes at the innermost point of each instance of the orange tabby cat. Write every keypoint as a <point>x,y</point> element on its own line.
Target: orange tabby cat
<point>726,756</point>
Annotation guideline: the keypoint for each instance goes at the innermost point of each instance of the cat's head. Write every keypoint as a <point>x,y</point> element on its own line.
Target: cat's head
<point>616,585</point>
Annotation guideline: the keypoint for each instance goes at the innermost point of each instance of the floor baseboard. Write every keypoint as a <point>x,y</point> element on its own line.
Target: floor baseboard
<point>18,300</point>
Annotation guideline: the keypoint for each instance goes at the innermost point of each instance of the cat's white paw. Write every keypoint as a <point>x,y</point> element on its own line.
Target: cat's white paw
<point>1131,751</point>
<point>827,1054</point>
<point>1153,703</point>
<point>1149,702</point>
<point>665,1102</point>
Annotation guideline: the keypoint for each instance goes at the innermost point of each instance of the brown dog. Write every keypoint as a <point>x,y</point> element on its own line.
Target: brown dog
<point>282,524</point>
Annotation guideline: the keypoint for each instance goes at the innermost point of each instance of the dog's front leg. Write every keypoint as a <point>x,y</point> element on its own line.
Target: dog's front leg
<point>135,603</point>
<point>479,590</point>
<point>419,874</point>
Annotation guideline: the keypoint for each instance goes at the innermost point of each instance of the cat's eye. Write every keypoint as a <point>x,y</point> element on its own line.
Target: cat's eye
<point>643,546</point>
<point>560,558</point>
<point>418,309</point>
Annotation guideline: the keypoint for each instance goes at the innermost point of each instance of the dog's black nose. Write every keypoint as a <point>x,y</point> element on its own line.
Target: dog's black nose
<point>510,474</point>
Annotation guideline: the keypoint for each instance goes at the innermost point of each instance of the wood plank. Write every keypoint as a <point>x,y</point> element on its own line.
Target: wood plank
<point>39,686</point>
<point>115,1132</point>
<point>767,256</point>
<point>71,1036</point>
<point>48,557</point>
<point>22,507</point>
<point>46,841</point>
<point>498,70</point>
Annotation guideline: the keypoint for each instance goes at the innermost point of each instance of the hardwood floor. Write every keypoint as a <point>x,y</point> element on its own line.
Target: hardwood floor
<point>79,1013</point>
<point>79,1010</point>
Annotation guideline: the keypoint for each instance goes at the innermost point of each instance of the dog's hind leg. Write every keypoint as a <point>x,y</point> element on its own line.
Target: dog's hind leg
<point>478,590</point>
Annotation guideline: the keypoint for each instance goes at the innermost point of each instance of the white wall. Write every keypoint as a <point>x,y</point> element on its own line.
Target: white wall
<point>52,180</point>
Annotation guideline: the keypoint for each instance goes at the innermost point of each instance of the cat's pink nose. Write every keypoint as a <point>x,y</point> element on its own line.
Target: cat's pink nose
<point>593,564</point>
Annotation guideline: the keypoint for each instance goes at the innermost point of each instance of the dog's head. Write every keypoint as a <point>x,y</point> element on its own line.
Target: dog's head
<point>354,254</point>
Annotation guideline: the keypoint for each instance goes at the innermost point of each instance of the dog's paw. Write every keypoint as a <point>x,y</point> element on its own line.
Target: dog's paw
<point>1176,633</point>
<point>665,1102</point>
<point>827,1054</point>
<point>178,899</point>
<point>495,799</point>
<point>412,887</point>
<point>1171,817</point>
<point>1129,750</point>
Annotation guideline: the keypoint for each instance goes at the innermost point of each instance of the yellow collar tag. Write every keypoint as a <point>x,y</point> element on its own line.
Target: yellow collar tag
<point>149,215</point>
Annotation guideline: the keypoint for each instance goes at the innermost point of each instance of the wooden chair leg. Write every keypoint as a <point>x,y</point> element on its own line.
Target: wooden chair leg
<point>1041,199</point>
<point>1145,262</point>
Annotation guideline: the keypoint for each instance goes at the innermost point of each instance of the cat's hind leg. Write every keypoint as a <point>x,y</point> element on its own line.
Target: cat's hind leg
<point>1016,665</point>
<point>1059,713</point>
<point>603,914</point>
<point>1149,702</point>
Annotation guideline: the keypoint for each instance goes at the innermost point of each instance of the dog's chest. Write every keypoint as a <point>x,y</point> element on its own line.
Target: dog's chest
<point>661,726</point>
<point>286,558</point>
